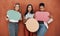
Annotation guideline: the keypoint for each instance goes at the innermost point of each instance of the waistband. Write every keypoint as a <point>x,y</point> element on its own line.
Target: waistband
<point>41,22</point>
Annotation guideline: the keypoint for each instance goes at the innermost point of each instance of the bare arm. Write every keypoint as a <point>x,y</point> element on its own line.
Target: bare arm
<point>50,20</point>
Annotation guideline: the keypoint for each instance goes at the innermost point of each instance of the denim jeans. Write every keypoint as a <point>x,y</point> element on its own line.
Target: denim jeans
<point>13,28</point>
<point>42,30</point>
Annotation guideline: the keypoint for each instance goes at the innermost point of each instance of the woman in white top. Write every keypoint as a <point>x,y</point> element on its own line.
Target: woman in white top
<point>29,14</point>
<point>13,16</point>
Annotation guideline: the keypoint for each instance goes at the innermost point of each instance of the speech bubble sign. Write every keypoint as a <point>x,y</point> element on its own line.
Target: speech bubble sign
<point>32,25</point>
<point>42,16</point>
<point>14,15</point>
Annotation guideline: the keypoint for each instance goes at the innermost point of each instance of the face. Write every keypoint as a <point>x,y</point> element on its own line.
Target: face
<point>29,8</point>
<point>17,7</point>
<point>42,8</point>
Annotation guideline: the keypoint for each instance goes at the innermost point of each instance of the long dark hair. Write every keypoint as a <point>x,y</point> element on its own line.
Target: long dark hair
<point>27,9</point>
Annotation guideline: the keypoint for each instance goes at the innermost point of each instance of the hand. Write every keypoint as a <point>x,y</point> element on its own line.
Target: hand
<point>6,18</point>
<point>51,16</point>
<point>50,20</point>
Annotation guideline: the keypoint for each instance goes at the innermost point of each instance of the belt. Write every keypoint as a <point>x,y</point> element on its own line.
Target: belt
<point>41,22</point>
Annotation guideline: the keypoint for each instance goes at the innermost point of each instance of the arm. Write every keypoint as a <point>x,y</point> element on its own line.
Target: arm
<point>25,20</point>
<point>6,17</point>
<point>21,17</point>
<point>50,20</point>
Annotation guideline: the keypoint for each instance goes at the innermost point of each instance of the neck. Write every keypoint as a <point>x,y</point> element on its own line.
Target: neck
<point>42,10</point>
<point>16,10</point>
<point>29,11</point>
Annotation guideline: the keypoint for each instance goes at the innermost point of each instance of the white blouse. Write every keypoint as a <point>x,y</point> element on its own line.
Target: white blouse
<point>29,15</point>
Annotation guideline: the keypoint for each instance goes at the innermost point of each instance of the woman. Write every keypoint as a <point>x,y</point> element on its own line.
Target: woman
<point>29,14</point>
<point>13,16</point>
<point>42,24</point>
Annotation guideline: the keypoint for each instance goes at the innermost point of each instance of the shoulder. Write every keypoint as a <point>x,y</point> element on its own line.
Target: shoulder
<point>32,14</point>
<point>47,13</point>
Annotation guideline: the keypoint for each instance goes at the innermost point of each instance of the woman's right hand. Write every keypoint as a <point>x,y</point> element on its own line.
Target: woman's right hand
<point>6,18</point>
<point>25,20</point>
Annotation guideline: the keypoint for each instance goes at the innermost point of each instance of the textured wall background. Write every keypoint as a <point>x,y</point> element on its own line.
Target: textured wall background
<point>52,6</point>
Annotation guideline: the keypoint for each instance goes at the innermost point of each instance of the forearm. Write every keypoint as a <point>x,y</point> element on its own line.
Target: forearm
<point>6,18</point>
<point>50,20</point>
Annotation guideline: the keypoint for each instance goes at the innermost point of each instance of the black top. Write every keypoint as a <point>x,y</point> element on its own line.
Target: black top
<point>41,22</point>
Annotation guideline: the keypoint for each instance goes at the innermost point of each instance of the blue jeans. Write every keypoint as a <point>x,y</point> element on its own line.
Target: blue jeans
<point>42,30</point>
<point>13,28</point>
